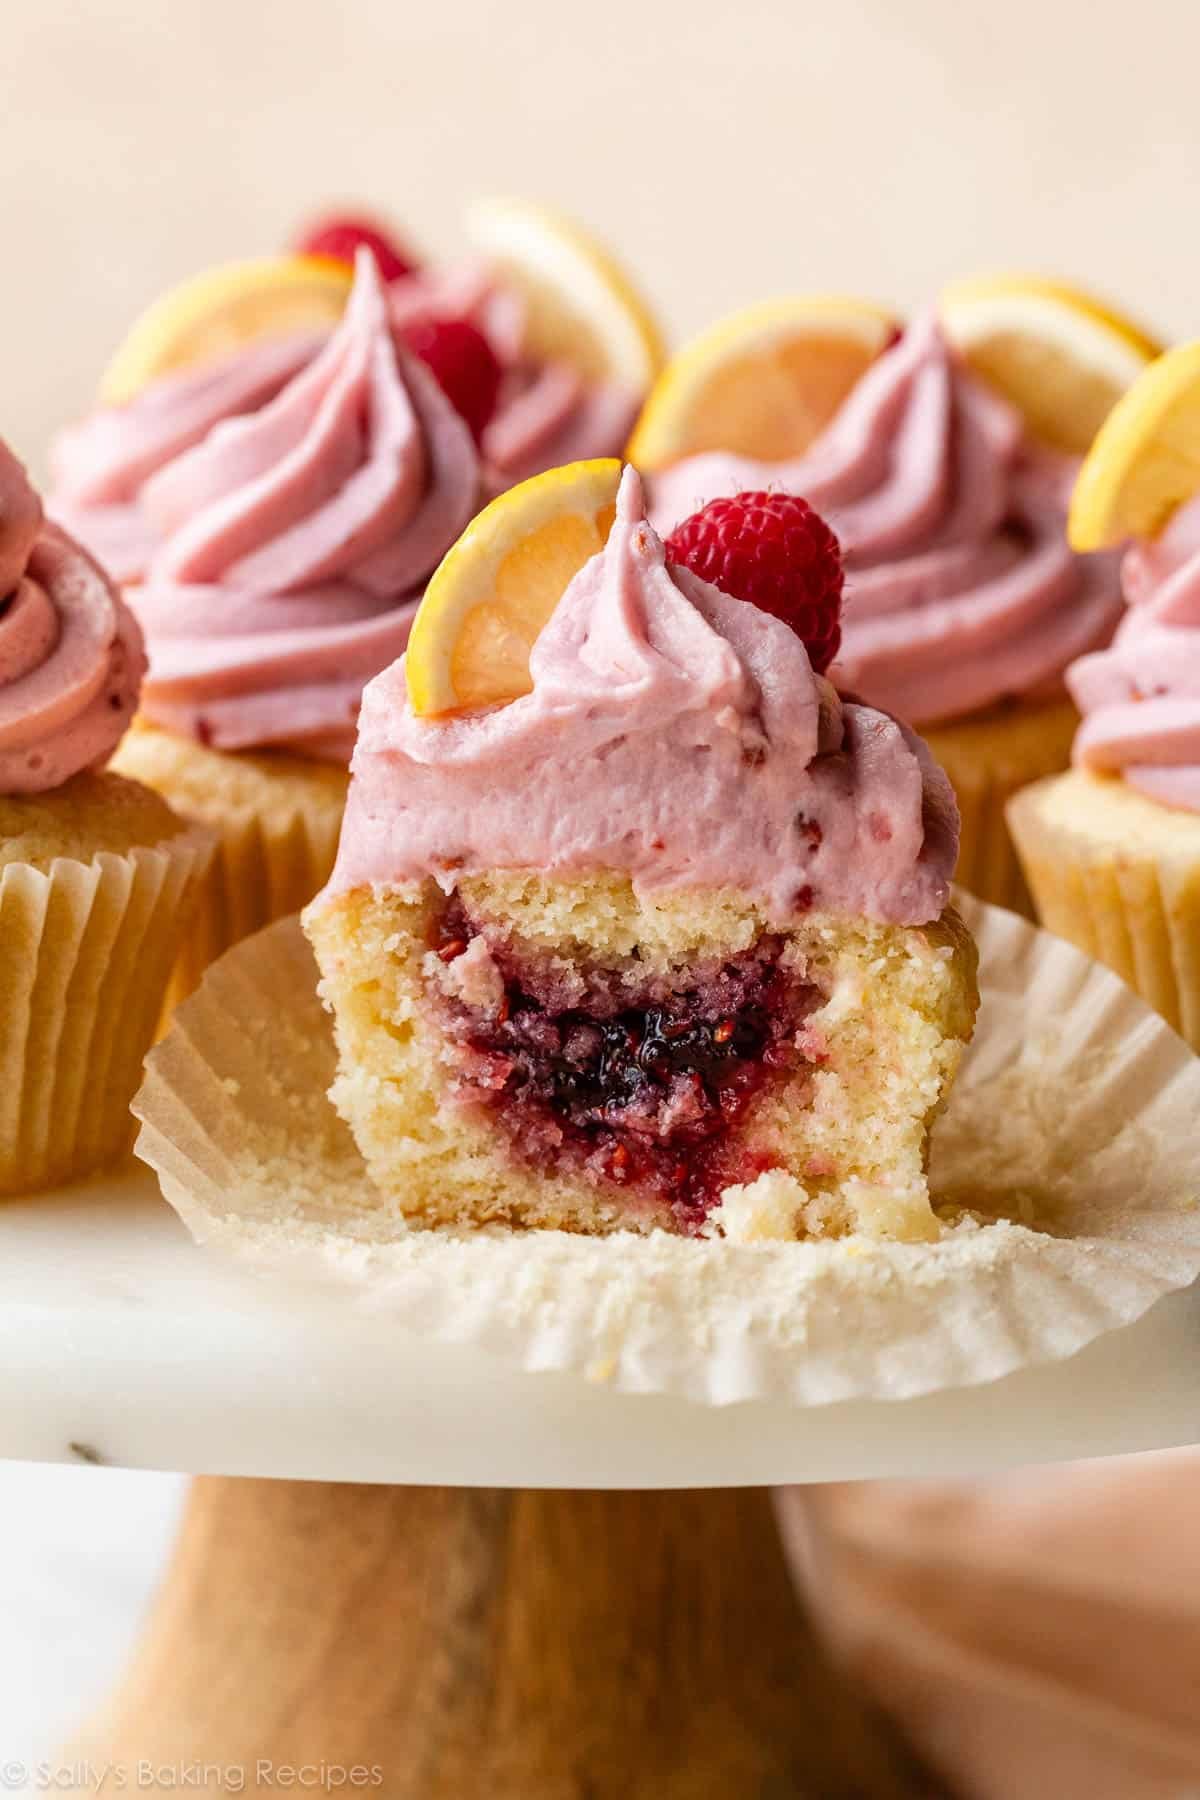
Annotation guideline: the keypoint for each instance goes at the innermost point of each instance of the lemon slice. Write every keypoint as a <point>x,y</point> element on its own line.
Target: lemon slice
<point>581,306</point>
<point>496,587</point>
<point>222,309</point>
<point>762,383</point>
<point>1061,357</point>
<point>1145,461</point>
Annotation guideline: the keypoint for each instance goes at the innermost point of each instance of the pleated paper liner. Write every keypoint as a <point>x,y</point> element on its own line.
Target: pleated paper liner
<point>86,952</point>
<point>1119,875</point>
<point>1067,1169</point>
<point>277,823</point>
<point>267,866</point>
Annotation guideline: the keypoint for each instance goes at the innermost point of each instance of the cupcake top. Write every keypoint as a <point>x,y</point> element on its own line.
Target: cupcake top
<point>71,655</point>
<point>534,414</point>
<point>672,732</point>
<point>961,591</point>
<point>293,543</point>
<point>1140,699</point>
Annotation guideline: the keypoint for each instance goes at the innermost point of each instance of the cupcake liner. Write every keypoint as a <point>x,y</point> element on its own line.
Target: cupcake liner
<point>1134,910</point>
<point>1067,1168</point>
<point>86,952</point>
<point>989,760</point>
<point>267,866</point>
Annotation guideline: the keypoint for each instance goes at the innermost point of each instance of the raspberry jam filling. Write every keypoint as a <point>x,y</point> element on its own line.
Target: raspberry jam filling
<point>641,1083</point>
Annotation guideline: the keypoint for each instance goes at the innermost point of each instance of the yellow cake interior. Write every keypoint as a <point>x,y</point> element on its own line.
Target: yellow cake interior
<point>769,1082</point>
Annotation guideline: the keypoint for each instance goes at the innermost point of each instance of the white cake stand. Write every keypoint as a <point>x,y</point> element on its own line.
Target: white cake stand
<point>486,1613</point>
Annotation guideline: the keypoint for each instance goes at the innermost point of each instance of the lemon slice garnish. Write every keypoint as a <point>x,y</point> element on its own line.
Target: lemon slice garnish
<point>1060,356</point>
<point>222,309</point>
<point>762,383</point>
<point>581,306</point>
<point>496,587</point>
<point>1145,461</point>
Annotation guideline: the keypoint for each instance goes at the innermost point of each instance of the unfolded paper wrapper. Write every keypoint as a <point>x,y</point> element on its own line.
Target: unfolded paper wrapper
<point>1067,1168</point>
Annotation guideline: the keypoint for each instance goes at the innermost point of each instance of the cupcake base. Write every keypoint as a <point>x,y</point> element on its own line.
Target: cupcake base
<point>1119,875</point>
<point>570,1054</point>
<point>277,818</point>
<point>989,758</point>
<point>91,920</point>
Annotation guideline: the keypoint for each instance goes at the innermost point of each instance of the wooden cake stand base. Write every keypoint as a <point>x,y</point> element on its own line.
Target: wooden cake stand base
<point>488,1644</point>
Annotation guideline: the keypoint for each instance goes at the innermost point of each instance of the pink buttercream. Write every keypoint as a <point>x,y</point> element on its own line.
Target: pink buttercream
<point>71,653</point>
<point>1141,698</point>
<point>294,542</point>
<point>101,465</point>
<point>672,732</point>
<point>545,415</point>
<point>961,591</point>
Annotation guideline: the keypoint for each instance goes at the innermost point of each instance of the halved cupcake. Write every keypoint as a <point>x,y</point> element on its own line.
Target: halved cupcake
<point>964,602</point>
<point>635,923</point>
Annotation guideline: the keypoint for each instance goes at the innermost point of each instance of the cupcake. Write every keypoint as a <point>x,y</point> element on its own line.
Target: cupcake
<point>97,874</point>
<point>1112,849</point>
<point>292,544</point>
<point>964,604</point>
<point>662,941</point>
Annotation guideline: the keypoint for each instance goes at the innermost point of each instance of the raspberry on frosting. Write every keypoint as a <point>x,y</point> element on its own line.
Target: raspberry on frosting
<point>463,363</point>
<point>776,552</point>
<point>345,234</point>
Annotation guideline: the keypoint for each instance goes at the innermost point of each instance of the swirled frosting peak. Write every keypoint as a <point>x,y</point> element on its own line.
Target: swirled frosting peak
<point>71,653</point>
<point>961,590</point>
<point>672,733</point>
<point>294,542</point>
<point>1141,698</point>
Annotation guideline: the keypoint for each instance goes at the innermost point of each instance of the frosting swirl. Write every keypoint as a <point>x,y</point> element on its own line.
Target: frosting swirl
<point>71,653</point>
<point>294,542</point>
<point>672,732</point>
<point>1141,697</point>
<point>101,465</point>
<point>961,590</point>
<point>546,414</point>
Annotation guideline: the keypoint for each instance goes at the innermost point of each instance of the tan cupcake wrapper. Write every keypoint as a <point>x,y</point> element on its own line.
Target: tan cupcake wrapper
<point>989,760</point>
<point>1133,910</point>
<point>1066,1168</point>
<point>267,866</point>
<point>86,954</point>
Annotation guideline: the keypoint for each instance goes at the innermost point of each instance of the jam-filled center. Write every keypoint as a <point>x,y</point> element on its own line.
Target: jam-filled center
<point>635,1079</point>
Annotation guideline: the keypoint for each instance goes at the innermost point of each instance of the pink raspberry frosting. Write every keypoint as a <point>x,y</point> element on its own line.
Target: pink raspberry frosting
<point>672,732</point>
<point>546,414</point>
<point>295,541</point>
<point>71,653</point>
<point>1141,698</point>
<point>961,590</point>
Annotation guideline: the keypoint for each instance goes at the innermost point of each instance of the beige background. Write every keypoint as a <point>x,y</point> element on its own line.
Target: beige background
<point>730,149</point>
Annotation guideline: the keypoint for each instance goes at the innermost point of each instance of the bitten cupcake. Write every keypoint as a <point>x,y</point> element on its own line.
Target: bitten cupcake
<point>97,874</point>
<point>292,545</point>
<point>964,603</point>
<point>656,937</point>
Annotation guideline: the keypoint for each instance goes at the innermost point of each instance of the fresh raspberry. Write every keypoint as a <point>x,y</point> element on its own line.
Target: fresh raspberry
<point>341,236</point>
<point>776,552</point>
<point>463,362</point>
